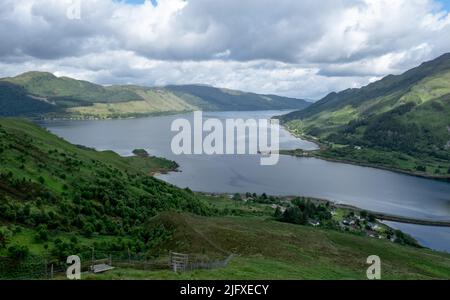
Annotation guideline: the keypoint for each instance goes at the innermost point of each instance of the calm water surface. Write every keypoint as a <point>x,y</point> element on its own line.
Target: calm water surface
<point>367,188</point>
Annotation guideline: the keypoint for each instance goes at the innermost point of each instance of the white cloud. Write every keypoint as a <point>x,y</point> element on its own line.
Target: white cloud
<point>296,48</point>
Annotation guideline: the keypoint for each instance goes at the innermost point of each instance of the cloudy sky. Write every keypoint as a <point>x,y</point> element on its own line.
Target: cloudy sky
<point>298,48</point>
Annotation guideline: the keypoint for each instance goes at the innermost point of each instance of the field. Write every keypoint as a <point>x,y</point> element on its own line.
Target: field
<point>266,249</point>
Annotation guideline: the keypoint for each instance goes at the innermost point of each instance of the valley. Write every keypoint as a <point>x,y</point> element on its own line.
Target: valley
<point>146,216</point>
<point>89,176</point>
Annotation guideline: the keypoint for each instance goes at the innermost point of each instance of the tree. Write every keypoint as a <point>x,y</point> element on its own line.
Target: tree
<point>421,168</point>
<point>18,252</point>
<point>372,218</point>
<point>88,229</point>
<point>237,197</point>
<point>42,233</point>
<point>364,214</point>
<point>294,215</point>
<point>405,239</point>
<point>4,238</point>
<point>278,214</point>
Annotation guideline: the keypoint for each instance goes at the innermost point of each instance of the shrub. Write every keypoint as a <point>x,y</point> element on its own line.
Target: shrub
<point>42,233</point>
<point>294,215</point>
<point>18,252</point>
<point>372,218</point>
<point>421,168</point>
<point>4,238</point>
<point>41,180</point>
<point>88,229</point>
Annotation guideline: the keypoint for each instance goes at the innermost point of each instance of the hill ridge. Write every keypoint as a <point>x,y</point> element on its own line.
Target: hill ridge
<point>401,120</point>
<point>83,99</point>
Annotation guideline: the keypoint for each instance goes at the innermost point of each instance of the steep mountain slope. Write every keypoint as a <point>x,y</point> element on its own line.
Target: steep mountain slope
<point>14,100</point>
<point>225,99</point>
<point>392,87</point>
<point>408,113</point>
<point>82,99</point>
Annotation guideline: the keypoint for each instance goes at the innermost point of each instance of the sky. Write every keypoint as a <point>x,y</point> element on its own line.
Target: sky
<point>296,48</point>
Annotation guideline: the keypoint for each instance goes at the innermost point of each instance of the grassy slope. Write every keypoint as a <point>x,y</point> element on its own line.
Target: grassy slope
<point>154,101</point>
<point>68,92</point>
<point>82,99</point>
<point>43,177</point>
<point>400,116</point>
<point>17,133</point>
<point>268,249</point>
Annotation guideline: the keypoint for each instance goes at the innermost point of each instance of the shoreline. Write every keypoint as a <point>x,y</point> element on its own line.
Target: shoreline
<point>73,117</point>
<point>366,165</point>
<point>80,117</point>
<point>322,147</point>
<point>378,215</point>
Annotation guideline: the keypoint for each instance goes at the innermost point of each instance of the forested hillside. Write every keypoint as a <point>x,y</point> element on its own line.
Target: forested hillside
<point>47,182</point>
<point>408,114</point>
<point>14,100</point>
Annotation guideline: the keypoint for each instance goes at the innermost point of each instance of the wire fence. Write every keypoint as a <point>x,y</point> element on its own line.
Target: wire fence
<point>180,262</point>
<point>42,268</point>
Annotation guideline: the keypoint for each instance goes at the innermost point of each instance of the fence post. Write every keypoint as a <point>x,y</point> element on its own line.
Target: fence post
<point>93,257</point>
<point>51,271</point>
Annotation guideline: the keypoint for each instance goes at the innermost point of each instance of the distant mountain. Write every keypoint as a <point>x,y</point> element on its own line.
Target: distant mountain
<point>408,113</point>
<point>41,92</point>
<point>68,92</point>
<point>213,98</point>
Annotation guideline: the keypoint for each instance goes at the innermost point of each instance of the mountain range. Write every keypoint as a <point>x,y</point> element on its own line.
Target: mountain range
<point>44,94</point>
<point>408,114</point>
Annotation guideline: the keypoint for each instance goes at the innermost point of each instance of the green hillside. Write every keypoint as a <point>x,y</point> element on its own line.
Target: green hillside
<point>57,199</point>
<point>71,98</point>
<point>68,92</point>
<point>406,118</point>
<point>211,98</point>
<point>68,188</point>
<point>14,100</point>
<point>266,249</point>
